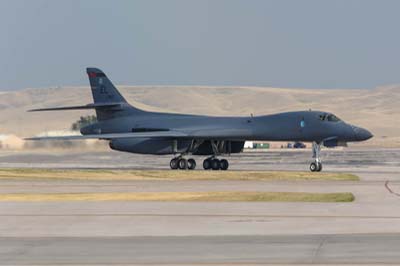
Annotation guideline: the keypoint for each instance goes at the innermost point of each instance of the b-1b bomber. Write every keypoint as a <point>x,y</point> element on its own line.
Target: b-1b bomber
<point>131,129</point>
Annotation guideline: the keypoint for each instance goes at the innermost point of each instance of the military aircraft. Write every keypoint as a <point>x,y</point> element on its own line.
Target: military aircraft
<point>130,129</point>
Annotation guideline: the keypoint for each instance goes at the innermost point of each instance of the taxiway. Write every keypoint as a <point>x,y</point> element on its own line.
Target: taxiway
<point>366,231</point>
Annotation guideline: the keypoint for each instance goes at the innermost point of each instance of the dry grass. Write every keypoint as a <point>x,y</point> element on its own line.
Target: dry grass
<point>55,174</point>
<point>184,196</point>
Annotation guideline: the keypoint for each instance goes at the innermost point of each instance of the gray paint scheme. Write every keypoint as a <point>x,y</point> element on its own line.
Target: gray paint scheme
<point>138,131</point>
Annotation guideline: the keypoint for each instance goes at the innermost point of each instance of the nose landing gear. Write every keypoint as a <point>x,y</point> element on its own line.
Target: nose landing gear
<point>316,166</point>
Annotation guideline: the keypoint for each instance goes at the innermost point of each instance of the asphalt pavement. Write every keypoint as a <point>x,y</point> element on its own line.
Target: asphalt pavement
<point>366,231</point>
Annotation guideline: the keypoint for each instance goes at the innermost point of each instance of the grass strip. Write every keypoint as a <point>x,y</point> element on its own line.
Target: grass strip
<point>184,196</point>
<point>105,174</point>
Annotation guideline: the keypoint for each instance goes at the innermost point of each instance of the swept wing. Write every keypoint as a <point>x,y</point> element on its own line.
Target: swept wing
<point>194,134</point>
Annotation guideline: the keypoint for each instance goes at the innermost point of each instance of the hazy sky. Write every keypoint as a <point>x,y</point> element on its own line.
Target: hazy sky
<point>312,44</point>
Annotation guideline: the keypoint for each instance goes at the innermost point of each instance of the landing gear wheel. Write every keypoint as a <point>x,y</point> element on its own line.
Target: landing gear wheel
<point>313,167</point>
<point>174,164</point>
<point>191,164</point>
<point>319,167</point>
<point>182,164</point>
<point>224,164</point>
<point>316,166</point>
<point>215,164</point>
<point>207,164</point>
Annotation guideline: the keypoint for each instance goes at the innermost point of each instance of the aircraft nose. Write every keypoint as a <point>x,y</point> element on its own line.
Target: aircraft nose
<point>362,133</point>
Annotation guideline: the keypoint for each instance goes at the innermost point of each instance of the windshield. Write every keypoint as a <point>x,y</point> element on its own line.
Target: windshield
<point>329,117</point>
<point>333,118</point>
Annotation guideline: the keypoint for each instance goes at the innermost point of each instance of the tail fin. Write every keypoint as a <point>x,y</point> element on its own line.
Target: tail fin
<point>108,102</point>
<point>104,92</point>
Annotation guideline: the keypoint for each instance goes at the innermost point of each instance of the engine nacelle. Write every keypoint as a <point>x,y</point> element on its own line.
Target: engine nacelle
<point>164,146</point>
<point>226,147</point>
<point>149,145</point>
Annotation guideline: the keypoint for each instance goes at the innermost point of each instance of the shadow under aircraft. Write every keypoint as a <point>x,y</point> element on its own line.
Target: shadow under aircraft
<point>130,129</point>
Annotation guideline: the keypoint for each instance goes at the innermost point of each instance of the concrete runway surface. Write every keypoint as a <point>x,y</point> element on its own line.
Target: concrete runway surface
<point>246,249</point>
<point>366,231</point>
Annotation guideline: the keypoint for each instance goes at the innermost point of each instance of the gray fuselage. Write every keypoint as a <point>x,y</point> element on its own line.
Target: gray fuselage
<point>304,126</point>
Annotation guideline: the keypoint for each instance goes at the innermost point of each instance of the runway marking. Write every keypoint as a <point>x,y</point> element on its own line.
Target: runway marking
<point>390,190</point>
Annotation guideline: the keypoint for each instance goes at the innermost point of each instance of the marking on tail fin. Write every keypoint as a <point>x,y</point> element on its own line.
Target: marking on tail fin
<point>94,74</point>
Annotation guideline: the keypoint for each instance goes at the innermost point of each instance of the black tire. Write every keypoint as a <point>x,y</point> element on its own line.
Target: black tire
<point>191,164</point>
<point>173,164</point>
<point>313,167</point>
<point>224,164</point>
<point>215,164</point>
<point>207,164</point>
<point>319,167</point>
<point>183,164</point>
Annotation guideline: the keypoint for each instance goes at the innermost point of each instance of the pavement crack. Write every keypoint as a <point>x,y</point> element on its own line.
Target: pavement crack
<point>317,251</point>
<point>390,190</point>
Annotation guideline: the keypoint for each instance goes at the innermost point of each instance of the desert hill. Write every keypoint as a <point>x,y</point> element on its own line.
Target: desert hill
<point>376,109</point>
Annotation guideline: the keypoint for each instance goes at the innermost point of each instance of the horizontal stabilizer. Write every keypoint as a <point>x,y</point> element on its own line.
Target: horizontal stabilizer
<point>153,134</point>
<point>81,107</point>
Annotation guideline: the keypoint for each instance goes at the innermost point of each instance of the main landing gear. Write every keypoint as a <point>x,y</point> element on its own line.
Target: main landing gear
<point>182,163</point>
<point>218,148</point>
<point>190,164</point>
<point>316,166</point>
<point>215,164</point>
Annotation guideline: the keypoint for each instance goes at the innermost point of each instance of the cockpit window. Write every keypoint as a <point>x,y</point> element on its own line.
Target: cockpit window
<point>328,117</point>
<point>333,118</point>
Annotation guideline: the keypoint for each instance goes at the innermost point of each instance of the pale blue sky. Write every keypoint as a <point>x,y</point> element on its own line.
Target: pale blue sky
<point>282,43</point>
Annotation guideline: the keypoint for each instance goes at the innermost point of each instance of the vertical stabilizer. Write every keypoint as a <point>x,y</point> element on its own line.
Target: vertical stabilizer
<point>104,92</point>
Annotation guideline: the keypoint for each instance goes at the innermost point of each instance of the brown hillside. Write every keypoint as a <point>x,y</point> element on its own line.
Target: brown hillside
<point>377,109</point>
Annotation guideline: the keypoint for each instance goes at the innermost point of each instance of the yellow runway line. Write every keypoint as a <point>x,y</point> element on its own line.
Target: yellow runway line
<point>183,196</point>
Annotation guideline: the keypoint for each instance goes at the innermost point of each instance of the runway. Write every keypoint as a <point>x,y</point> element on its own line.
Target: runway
<point>366,231</point>
<point>203,250</point>
<point>352,159</point>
